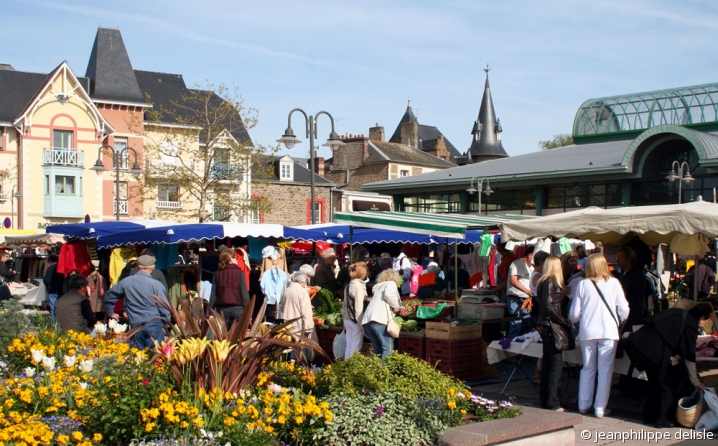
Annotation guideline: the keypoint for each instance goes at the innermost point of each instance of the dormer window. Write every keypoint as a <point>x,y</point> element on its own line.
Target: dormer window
<point>286,171</point>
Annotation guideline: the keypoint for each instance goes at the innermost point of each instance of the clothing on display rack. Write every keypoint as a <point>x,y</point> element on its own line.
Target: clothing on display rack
<point>118,261</point>
<point>166,254</point>
<point>243,263</point>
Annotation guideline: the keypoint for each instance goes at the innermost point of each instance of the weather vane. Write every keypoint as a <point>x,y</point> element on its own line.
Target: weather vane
<point>487,69</point>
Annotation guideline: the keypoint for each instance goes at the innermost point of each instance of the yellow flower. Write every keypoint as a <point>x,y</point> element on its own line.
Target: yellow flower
<point>228,421</point>
<point>97,438</point>
<point>452,393</point>
<point>299,420</point>
<point>149,426</point>
<point>63,439</point>
<point>452,405</point>
<point>77,436</point>
<point>221,349</point>
<point>463,412</point>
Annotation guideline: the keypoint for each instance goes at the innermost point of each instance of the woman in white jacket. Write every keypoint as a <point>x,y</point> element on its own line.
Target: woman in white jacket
<point>384,303</point>
<point>353,308</point>
<point>598,331</point>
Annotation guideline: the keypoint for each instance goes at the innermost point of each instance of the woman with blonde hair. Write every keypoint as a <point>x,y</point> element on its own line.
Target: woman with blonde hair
<point>384,303</point>
<point>229,293</point>
<point>555,331</point>
<point>599,307</point>
<point>353,307</point>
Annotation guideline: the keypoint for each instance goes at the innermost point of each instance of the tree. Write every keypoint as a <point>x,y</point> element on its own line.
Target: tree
<point>560,140</point>
<point>200,154</point>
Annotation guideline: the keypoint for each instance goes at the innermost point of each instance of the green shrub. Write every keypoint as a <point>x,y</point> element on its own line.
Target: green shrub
<point>379,419</point>
<point>401,372</point>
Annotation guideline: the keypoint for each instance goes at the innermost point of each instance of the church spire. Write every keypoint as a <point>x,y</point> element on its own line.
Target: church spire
<point>486,132</point>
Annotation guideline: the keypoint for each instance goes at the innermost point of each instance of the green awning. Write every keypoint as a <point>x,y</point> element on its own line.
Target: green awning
<point>444,225</point>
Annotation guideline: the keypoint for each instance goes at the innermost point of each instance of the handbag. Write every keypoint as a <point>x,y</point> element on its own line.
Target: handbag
<point>562,338</point>
<point>391,326</point>
<point>339,345</point>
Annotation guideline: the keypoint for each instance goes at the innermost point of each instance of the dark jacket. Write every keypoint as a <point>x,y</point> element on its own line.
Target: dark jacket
<point>664,330</point>
<point>635,287</point>
<point>74,313</point>
<point>6,275</point>
<point>551,304</point>
<point>229,288</point>
<point>324,277</point>
<point>53,280</point>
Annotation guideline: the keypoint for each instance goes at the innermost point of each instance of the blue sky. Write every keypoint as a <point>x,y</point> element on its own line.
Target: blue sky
<point>362,60</point>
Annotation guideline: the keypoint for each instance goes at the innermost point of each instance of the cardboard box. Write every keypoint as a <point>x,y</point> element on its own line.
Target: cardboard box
<point>477,311</point>
<point>441,330</point>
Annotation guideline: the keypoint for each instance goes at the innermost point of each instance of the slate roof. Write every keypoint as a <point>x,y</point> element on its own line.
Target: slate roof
<point>110,69</point>
<point>427,134</point>
<point>301,175</point>
<point>381,152</point>
<point>166,89</point>
<point>485,133</point>
<point>17,89</point>
<point>570,159</point>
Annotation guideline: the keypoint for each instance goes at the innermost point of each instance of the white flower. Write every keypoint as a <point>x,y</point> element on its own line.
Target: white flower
<point>86,365</point>
<point>29,372</point>
<point>119,328</point>
<point>111,323</point>
<point>276,388</point>
<point>101,328</point>
<point>48,364</point>
<point>69,361</point>
<point>37,355</point>
<point>83,385</point>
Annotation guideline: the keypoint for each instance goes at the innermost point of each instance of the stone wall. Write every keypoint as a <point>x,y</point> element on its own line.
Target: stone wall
<point>290,203</point>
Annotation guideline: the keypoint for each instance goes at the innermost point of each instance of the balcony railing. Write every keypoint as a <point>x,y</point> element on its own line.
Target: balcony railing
<point>123,207</point>
<point>58,156</point>
<point>168,204</point>
<point>3,197</point>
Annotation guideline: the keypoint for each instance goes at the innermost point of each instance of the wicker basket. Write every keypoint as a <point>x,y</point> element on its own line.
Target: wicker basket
<point>690,409</point>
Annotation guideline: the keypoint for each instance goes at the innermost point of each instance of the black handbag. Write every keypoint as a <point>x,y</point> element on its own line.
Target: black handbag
<point>562,337</point>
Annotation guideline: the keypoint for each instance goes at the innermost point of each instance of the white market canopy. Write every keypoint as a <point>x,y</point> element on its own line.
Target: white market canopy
<point>689,223</point>
<point>32,240</point>
<point>444,225</point>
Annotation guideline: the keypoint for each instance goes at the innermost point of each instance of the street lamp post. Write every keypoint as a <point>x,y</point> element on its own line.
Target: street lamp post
<point>488,191</point>
<point>116,160</point>
<point>14,194</point>
<point>678,173</point>
<point>289,140</point>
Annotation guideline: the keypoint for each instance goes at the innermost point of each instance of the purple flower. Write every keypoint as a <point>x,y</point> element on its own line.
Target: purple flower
<point>341,402</point>
<point>365,391</point>
<point>379,411</point>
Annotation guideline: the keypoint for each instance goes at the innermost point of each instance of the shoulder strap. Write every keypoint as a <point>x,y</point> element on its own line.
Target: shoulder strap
<point>351,308</point>
<point>605,303</point>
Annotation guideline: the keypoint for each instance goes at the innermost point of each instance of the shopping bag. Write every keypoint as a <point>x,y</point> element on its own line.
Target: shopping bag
<point>339,345</point>
<point>711,399</point>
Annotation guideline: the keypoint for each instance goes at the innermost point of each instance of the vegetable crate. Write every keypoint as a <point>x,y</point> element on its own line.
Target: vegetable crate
<point>412,344</point>
<point>462,359</point>
<point>442,330</point>
<point>434,347</point>
<point>326,339</point>
<point>470,308</point>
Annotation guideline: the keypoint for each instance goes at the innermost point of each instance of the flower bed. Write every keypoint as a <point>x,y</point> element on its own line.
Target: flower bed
<point>211,386</point>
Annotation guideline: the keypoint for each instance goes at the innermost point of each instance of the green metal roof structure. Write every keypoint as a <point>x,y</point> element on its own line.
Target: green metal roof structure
<point>444,225</point>
<point>637,112</point>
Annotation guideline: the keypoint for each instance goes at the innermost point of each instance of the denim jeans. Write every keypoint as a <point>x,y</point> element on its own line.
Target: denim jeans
<point>151,332</point>
<point>51,299</point>
<point>551,369</point>
<point>380,339</point>
<point>513,308</point>
<point>231,316</point>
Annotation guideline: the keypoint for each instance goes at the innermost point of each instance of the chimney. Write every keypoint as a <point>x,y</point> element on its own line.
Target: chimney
<point>440,147</point>
<point>376,133</point>
<point>410,134</point>
<point>319,166</point>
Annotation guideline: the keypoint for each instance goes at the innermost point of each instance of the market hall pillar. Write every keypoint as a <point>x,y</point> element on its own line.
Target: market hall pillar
<point>626,189</point>
<point>539,194</point>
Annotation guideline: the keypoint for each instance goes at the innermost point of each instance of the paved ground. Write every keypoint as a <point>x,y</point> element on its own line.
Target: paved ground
<point>625,415</point>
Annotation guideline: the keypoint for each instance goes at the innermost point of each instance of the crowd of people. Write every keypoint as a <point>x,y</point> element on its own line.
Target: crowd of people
<point>578,300</point>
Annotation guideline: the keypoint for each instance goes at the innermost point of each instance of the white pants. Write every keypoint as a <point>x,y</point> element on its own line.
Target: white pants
<point>355,338</point>
<point>598,354</point>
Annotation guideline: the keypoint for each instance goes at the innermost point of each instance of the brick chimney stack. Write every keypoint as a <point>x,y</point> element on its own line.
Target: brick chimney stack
<point>319,166</point>
<point>410,134</point>
<point>376,133</point>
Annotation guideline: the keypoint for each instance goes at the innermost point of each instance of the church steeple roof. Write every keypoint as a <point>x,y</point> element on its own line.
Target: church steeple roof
<point>486,132</point>
<point>110,71</point>
<point>409,116</point>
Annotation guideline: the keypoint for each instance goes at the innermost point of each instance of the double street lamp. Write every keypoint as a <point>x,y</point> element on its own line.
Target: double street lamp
<point>117,157</point>
<point>289,140</point>
<point>683,176</point>
<point>471,190</point>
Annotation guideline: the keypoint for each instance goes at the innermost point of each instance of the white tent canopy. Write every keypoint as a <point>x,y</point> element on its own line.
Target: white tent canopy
<point>653,224</point>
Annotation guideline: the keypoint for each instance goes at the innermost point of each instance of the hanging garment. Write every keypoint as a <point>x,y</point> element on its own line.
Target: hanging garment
<point>486,244</point>
<point>175,286</point>
<point>74,257</point>
<point>543,245</point>
<point>418,270</point>
<point>256,245</point>
<point>280,262</point>
<point>118,260</point>
<point>564,245</point>
<point>242,262</point>
<point>97,291</point>
<point>272,284</point>
<point>660,260</point>
<point>166,255</point>
<point>493,265</point>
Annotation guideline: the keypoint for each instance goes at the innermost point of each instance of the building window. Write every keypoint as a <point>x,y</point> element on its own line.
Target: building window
<point>221,213</point>
<point>64,185</point>
<point>404,173</point>
<point>2,138</point>
<point>317,211</point>
<point>438,204</point>
<point>61,139</point>
<point>168,192</point>
<point>583,195</point>
<point>120,145</point>
<point>254,216</point>
<point>285,172</point>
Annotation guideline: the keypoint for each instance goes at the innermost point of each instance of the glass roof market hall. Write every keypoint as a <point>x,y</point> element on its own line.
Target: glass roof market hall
<point>626,151</point>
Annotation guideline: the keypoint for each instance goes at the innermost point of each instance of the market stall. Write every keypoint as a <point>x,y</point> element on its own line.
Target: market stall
<point>31,292</point>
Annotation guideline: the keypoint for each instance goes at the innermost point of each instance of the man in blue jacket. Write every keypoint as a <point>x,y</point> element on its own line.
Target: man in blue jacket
<point>138,292</point>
